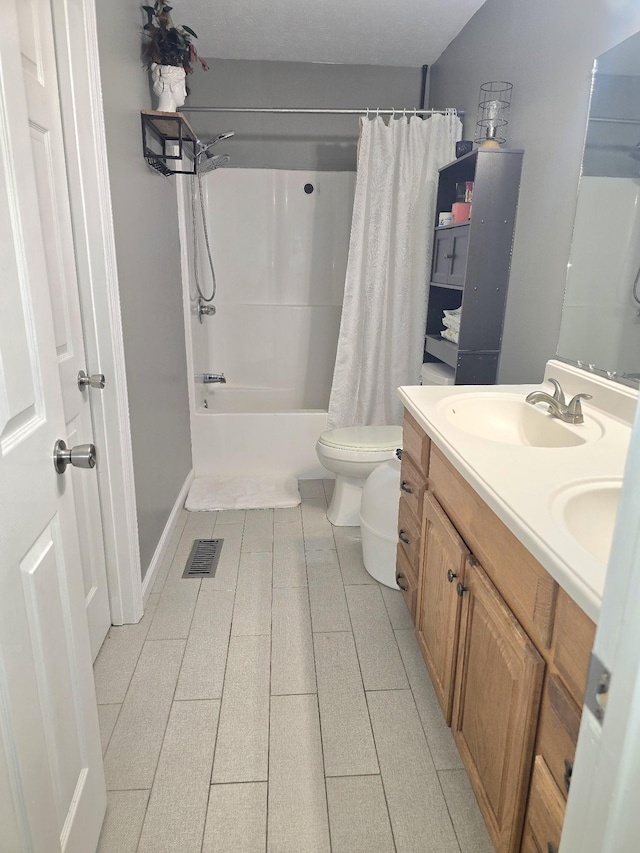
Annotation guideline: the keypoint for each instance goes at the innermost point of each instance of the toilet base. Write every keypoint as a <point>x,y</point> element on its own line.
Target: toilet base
<point>344,509</point>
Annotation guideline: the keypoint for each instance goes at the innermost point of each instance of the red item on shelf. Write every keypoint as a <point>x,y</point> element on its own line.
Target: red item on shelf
<point>461,211</point>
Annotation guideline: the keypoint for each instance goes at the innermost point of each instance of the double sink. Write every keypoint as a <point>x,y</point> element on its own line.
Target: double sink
<point>556,485</point>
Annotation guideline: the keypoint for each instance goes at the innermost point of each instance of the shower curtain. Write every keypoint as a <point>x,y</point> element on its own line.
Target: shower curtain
<point>382,329</point>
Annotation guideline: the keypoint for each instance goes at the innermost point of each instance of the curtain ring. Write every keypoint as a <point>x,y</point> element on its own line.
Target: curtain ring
<point>404,112</point>
<point>367,112</point>
<point>377,112</point>
<point>415,112</point>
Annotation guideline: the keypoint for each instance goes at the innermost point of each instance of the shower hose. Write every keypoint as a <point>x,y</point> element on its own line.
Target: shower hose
<point>206,239</point>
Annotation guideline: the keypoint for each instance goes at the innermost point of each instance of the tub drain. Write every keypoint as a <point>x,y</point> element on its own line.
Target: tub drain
<point>203,559</point>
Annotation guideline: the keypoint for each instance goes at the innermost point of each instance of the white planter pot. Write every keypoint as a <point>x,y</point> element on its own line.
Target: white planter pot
<point>169,86</point>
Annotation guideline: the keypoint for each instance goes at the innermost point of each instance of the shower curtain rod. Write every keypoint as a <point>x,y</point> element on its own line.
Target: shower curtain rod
<point>305,111</point>
<point>615,120</point>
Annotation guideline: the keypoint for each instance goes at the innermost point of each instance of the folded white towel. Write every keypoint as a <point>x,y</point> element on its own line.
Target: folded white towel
<point>450,335</point>
<point>453,312</point>
<point>452,323</point>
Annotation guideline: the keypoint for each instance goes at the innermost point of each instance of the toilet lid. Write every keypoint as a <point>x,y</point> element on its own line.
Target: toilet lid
<point>364,437</point>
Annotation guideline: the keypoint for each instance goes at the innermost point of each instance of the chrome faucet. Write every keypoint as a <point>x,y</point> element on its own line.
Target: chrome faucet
<point>211,378</point>
<point>570,413</point>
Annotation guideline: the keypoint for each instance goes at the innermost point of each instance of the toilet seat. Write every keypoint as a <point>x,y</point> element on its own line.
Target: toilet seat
<point>367,439</point>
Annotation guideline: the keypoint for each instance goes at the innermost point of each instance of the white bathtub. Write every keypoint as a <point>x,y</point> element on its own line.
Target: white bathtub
<point>280,256</point>
<point>242,431</point>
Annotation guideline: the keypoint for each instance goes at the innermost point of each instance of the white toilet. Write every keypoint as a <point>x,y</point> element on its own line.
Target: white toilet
<point>352,453</point>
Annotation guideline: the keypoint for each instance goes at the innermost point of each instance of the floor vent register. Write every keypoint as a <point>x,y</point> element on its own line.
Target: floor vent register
<point>203,559</point>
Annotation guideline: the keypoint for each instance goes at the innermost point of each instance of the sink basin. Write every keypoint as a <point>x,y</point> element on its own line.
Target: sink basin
<point>588,511</point>
<point>508,419</point>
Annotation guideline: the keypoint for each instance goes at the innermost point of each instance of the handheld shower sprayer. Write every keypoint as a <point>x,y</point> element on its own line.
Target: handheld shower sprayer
<point>204,147</point>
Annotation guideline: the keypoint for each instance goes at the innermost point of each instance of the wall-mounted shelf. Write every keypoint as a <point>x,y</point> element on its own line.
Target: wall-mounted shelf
<point>174,140</point>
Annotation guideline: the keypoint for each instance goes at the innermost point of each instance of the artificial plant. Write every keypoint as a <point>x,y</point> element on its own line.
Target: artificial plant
<point>166,44</point>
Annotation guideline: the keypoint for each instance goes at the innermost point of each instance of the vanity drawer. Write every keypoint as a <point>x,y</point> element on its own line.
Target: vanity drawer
<point>412,486</point>
<point>407,580</point>
<point>545,813</point>
<point>572,643</point>
<point>558,732</point>
<point>528,589</point>
<point>415,443</point>
<point>409,534</point>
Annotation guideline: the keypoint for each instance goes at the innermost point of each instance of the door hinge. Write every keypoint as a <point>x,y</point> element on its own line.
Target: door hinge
<point>598,682</point>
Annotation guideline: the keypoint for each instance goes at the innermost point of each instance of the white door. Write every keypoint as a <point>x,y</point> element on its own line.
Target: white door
<point>43,106</point>
<point>52,792</point>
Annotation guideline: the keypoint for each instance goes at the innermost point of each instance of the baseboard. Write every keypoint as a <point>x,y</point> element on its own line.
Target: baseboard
<point>158,554</point>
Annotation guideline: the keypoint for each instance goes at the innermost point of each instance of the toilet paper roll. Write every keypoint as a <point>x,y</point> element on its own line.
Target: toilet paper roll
<point>445,218</point>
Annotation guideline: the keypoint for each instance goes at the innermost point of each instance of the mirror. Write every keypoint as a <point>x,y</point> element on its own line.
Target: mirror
<point>600,327</point>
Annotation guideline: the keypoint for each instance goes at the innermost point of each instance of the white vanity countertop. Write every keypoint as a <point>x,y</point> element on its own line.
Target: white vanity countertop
<point>523,484</point>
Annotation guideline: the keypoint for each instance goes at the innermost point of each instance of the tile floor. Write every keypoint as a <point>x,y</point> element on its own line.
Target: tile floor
<point>281,706</point>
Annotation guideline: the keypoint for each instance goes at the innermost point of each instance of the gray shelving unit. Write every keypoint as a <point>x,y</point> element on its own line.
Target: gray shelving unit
<point>471,261</point>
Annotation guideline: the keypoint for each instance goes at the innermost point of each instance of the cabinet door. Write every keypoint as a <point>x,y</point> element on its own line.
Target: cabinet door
<point>442,252</point>
<point>458,260</point>
<point>497,697</point>
<point>439,605</point>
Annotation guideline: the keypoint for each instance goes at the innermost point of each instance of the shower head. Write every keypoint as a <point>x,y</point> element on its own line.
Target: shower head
<point>208,164</point>
<point>203,147</point>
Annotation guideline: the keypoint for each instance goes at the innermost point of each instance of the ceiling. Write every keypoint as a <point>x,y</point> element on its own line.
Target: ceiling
<point>361,32</point>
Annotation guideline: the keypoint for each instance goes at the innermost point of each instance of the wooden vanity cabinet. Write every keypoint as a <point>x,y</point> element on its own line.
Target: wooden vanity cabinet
<point>507,651</point>
<point>413,484</point>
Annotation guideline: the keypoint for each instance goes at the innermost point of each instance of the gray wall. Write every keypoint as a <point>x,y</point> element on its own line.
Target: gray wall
<point>546,49</point>
<point>295,142</point>
<point>148,257</point>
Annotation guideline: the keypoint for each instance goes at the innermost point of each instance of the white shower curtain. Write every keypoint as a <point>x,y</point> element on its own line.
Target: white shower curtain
<point>382,329</point>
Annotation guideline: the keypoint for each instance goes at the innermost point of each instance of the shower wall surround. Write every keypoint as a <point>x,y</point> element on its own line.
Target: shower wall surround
<point>279,242</point>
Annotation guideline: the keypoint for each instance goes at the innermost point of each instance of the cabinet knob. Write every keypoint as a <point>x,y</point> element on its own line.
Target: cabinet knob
<point>451,575</point>
<point>399,578</point>
<point>402,536</point>
<point>448,257</point>
<point>461,589</point>
<point>404,485</point>
<point>568,770</point>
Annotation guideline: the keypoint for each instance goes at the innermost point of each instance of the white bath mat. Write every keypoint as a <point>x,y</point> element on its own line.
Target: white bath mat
<point>263,492</point>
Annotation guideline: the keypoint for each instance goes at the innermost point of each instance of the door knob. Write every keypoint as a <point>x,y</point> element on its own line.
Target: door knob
<point>80,456</point>
<point>96,380</point>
